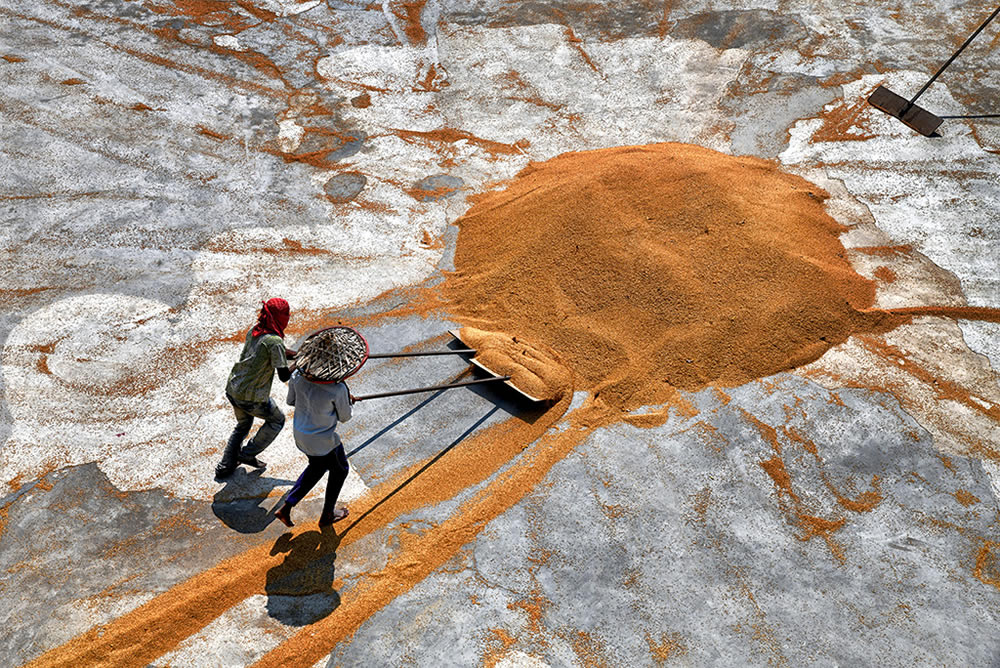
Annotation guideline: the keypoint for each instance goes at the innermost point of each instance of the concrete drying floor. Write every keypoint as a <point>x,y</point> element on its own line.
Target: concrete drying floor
<point>167,164</point>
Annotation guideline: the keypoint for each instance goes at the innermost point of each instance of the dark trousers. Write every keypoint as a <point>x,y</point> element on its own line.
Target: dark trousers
<point>246,411</point>
<point>336,464</point>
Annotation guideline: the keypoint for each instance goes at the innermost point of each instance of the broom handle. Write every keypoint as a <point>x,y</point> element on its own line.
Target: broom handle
<point>430,389</point>
<point>458,351</point>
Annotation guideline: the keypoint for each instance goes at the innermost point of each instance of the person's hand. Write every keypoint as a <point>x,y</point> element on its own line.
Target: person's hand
<point>351,396</point>
<point>289,353</point>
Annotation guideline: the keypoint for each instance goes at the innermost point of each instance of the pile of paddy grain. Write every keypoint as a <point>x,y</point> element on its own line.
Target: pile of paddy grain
<point>654,268</point>
<point>535,371</point>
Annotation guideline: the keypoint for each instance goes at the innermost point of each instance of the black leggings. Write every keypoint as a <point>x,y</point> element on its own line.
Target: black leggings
<point>336,463</point>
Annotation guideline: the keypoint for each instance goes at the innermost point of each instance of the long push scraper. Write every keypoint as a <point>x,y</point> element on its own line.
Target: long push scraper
<point>913,116</point>
<point>333,354</point>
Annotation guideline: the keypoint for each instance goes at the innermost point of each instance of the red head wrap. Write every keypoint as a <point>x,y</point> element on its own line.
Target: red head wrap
<point>273,318</point>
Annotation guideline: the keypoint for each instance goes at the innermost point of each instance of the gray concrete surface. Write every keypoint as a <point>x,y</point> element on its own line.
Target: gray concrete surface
<point>166,165</point>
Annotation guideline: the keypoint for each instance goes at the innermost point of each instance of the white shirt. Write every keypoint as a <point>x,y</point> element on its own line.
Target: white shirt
<point>320,406</point>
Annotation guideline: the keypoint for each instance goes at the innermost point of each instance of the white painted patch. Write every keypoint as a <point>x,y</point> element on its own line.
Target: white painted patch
<point>286,7</point>
<point>228,42</point>
<point>983,337</point>
<point>289,135</point>
<point>993,471</point>
<point>639,90</point>
<point>935,347</point>
<point>519,659</point>
<point>931,193</point>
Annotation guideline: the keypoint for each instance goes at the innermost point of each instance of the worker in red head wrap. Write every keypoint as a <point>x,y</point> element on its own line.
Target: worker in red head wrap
<point>273,318</point>
<point>249,387</point>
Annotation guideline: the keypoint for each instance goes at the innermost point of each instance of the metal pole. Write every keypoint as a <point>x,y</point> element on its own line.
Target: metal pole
<point>457,351</point>
<point>394,393</point>
<point>973,116</point>
<point>953,57</point>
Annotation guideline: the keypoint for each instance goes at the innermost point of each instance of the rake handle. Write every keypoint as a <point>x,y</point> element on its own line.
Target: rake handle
<point>950,60</point>
<point>432,388</point>
<point>458,351</point>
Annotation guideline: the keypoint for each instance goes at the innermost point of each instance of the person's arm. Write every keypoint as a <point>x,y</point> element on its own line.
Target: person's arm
<point>342,402</point>
<point>278,360</point>
<point>290,399</point>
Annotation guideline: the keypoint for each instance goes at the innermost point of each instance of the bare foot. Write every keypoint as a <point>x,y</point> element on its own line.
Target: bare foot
<point>284,515</point>
<point>326,519</point>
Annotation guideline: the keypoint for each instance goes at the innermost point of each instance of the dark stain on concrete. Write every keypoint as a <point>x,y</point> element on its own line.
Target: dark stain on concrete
<point>606,20</point>
<point>437,186</point>
<point>345,186</point>
<point>741,29</point>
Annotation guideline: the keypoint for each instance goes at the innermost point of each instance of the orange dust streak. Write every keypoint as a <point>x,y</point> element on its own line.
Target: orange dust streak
<point>450,136</point>
<point>957,312</point>
<point>986,560</point>
<point>769,433</point>
<point>775,468</point>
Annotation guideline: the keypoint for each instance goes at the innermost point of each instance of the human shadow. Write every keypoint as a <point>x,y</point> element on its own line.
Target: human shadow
<point>238,503</point>
<point>300,589</point>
